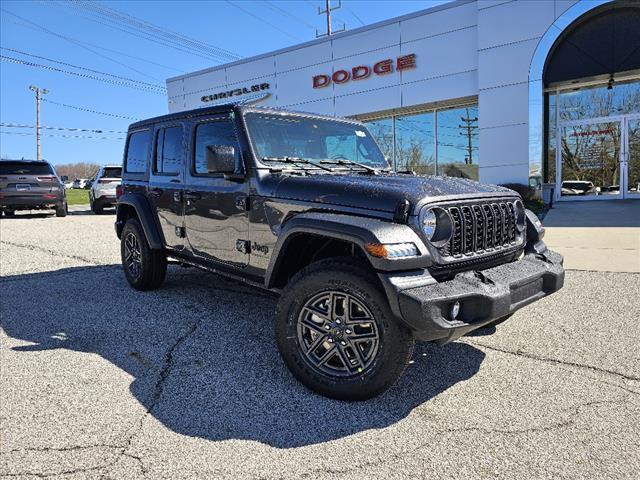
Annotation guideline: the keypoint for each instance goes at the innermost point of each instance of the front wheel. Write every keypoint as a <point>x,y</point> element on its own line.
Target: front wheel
<point>337,334</point>
<point>144,268</point>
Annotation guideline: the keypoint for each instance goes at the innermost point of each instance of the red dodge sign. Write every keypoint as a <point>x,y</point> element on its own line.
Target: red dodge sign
<point>361,72</point>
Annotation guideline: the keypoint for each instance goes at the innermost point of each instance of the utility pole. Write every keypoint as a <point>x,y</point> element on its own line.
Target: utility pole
<point>327,11</point>
<point>38,92</point>
<point>470,125</point>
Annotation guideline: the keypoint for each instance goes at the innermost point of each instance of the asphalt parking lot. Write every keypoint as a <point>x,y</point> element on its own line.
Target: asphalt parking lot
<point>101,381</point>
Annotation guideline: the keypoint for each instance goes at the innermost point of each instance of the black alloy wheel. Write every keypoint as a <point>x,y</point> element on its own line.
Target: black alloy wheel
<point>132,255</point>
<point>338,334</point>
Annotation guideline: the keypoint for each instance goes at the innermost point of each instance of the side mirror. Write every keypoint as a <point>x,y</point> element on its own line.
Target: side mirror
<point>221,159</point>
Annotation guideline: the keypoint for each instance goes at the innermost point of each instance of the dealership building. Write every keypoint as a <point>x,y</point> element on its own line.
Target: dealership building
<point>545,92</point>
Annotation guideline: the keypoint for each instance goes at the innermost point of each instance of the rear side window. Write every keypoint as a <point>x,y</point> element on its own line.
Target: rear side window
<point>25,168</point>
<point>112,172</point>
<point>169,151</point>
<point>218,132</point>
<point>137,152</point>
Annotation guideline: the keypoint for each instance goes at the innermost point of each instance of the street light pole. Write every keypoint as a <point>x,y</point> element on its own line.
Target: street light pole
<point>38,92</point>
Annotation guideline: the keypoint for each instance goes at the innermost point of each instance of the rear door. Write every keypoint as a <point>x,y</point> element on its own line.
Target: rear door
<point>166,181</point>
<point>216,217</point>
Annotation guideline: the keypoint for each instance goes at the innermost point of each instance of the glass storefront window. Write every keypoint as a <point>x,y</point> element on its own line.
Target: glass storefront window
<point>440,142</point>
<point>600,101</point>
<point>590,122</point>
<point>382,131</point>
<point>458,142</point>
<point>415,144</point>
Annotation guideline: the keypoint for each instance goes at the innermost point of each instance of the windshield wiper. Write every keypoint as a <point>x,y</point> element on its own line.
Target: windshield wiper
<point>344,161</point>
<point>299,162</point>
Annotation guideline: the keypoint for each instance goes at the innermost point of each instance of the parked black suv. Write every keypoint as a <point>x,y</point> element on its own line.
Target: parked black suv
<point>30,185</point>
<point>364,260</point>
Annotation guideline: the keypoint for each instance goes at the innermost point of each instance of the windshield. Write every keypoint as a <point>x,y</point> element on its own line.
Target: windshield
<point>112,172</point>
<point>281,136</point>
<point>25,168</point>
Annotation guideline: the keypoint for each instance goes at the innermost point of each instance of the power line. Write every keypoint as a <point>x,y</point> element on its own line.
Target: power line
<point>39,28</point>
<point>62,136</point>
<point>138,23</point>
<point>82,46</point>
<point>92,130</point>
<point>282,11</point>
<point>5,58</point>
<point>151,85</point>
<point>263,20</point>
<point>88,110</point>
<point>353,14</point>
<point>140,28</point>
<point>146,37</point>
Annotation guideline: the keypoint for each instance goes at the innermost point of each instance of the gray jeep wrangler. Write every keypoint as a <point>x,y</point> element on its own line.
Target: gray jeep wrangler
<point>365,261</point>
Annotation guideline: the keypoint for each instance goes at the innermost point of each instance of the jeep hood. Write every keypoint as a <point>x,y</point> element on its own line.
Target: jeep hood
<point>379,192</point>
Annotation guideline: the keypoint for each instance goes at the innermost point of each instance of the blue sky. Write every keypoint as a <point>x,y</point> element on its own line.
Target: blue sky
<point>69,32</point>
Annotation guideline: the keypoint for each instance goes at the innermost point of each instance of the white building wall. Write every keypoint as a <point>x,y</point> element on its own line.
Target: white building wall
<point>463,49</point>
<point>444,41</point>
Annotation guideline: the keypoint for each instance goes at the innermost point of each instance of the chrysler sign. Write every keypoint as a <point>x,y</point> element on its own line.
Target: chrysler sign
<point>236,92</point>
<point>360,72</point>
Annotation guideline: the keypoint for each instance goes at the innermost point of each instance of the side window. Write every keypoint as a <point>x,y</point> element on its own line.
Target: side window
<point>168,153</point>
<point>137,152</point>
<point>218,132</point>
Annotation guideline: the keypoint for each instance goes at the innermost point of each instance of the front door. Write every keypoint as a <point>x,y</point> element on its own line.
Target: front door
<point>215,215</point>
<point>166,182</point>
<point>631,157</point>
<point>599,159</point>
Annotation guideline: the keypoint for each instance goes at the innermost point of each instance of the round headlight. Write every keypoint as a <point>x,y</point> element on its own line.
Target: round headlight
<point>436,225</point>
<point>429,223</point>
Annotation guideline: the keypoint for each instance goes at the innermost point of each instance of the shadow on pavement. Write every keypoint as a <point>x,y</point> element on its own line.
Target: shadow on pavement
<point>203,356</point>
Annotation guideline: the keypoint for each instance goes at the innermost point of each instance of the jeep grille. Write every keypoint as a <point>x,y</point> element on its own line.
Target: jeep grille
<point>481,228</point>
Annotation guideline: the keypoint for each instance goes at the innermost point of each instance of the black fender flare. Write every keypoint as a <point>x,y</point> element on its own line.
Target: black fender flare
<point>357,230</point>
<point>145,214</point>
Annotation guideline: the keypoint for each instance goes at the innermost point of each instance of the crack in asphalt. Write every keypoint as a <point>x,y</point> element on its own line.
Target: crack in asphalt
<point>532,356</point>
<point>122,450</point>
<point>50,252</point>
<point>400,456</point>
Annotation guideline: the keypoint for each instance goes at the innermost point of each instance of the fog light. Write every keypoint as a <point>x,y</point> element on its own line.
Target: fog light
<point>455,310</point>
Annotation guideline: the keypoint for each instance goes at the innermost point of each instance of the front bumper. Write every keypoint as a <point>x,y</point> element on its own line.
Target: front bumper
<point>484,296</point>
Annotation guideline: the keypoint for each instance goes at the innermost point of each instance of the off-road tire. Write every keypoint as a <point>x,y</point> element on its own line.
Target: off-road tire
<point>152,264</point>
<point>61,211</point>
<point>395,345</point>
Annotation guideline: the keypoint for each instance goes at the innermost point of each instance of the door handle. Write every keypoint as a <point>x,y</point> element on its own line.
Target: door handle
<point>155,191</point>
<point>190,195</point>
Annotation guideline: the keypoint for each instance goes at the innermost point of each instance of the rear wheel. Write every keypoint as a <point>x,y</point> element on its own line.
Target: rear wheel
<point>144,268</point>
<point>96,208</point>
<point>62,209</point>
<point>337,334</point>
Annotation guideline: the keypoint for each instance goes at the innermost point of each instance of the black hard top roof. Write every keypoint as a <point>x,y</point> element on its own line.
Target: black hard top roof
<point>226,108</point>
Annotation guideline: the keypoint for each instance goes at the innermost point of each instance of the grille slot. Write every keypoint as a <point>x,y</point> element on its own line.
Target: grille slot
<point>480,229</point>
